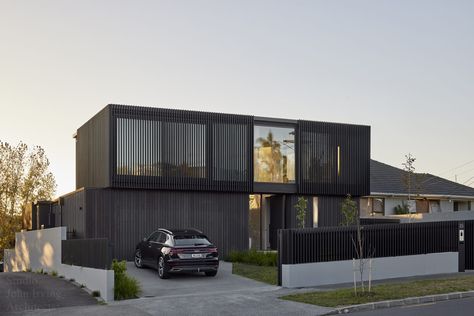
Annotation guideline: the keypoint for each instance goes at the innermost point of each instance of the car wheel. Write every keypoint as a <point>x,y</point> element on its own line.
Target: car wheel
<point>162,269</point>
<point>210,273</point>
<point>138,259</point>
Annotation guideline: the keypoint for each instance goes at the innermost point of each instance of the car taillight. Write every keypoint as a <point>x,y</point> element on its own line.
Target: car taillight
<point>175,251</point>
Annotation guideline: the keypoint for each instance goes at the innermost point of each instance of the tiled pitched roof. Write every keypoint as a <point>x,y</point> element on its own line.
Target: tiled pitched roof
<point>388,179</point>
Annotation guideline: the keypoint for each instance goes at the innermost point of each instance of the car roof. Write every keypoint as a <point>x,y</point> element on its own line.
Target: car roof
<point>181,231</point>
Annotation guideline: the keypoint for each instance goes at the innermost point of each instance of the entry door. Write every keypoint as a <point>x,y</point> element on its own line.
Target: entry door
<point>277,217</point>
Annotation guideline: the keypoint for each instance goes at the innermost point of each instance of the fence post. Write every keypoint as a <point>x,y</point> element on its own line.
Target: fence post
<point>461,247</point>
<point>280,253</point>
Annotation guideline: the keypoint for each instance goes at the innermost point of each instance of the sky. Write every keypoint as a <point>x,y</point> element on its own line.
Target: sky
<point>405,68</point>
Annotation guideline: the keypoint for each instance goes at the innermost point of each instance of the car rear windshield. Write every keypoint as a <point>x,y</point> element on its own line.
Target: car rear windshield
<point>191,240</point>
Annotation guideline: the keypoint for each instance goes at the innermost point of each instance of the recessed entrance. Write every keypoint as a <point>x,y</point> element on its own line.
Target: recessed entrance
<point>270,212</point>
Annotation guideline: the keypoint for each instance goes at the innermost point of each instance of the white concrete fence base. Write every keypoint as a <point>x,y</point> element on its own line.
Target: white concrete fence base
<point>337,272</point>
<point>41,249</point>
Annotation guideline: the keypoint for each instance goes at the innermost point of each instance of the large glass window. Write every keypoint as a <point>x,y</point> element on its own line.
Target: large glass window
<point>274,154</point>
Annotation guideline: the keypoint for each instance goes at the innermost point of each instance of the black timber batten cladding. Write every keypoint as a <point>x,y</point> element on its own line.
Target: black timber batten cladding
<point>153,148</point>
<point>93,151</point>
<point>333,158</point>
<point>180,150</point>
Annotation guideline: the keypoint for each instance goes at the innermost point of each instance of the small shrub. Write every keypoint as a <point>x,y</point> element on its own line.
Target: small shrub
<point>72,280</point>
<point>125,287</point>
<point>259,258</point>
<point>54,273</point>
<point>402,209</point>
<point>95,293</point>
<point>82,286</point>
<point>28,270</point>
<point>61,276</point>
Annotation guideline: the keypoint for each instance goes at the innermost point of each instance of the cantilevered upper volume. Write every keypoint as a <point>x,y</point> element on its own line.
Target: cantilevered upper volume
<point>154,148</point>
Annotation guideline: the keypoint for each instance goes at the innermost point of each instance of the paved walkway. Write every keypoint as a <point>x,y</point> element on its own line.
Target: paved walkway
<point>22,291</point>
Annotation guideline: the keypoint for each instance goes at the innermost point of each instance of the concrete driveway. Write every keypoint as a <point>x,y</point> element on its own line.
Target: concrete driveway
<point>196,294</point>
<point>194,283</point>
<point>224,294</point>
<point>22,291</point>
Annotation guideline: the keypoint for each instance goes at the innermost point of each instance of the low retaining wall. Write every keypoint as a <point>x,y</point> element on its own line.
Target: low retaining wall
<point>41,249</point>
<point>336,272</point>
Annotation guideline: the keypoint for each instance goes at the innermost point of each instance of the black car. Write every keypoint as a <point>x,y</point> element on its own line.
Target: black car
<point>177,250</point>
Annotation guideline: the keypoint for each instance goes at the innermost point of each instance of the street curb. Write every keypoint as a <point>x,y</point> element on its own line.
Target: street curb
<point>401,302</point>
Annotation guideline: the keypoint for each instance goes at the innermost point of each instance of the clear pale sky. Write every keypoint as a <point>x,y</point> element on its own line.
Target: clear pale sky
<point>404,67</point>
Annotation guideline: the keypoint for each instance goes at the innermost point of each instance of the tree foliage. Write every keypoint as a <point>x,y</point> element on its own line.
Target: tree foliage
<point>408,177</point>
<point>301,210</point>
<point>413,182</point>
<point>402,209</point>
<point>24,178</point>
<point>350,214</point>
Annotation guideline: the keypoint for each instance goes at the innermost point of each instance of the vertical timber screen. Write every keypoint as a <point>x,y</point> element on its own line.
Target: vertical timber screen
<point>181,150</point>
<point>91,253</point>
<point>333,159</point>
<point>384,240</point>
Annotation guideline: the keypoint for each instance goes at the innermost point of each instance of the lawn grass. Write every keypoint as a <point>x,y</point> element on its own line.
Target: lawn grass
<point>344,297</point>
<point>259,273</point>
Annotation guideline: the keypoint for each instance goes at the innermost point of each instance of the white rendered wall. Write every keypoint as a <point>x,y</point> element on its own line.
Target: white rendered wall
<point>337,272</point>
<point>41,249</point>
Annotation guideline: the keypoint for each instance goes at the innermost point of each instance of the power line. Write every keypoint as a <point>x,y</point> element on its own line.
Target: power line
<point>455,168</point>
<point>466,171</point>
<point>468,180</point>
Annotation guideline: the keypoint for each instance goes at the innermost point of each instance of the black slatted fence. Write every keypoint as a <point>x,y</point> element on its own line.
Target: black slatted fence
<point>91,253</point>
<point>380,240</point>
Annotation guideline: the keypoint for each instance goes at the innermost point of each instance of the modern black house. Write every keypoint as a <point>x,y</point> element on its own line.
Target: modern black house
<point>235,177</point>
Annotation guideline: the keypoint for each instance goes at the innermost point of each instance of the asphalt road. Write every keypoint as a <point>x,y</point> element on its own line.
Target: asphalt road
<point>23,291</point>
<point>460,307</point>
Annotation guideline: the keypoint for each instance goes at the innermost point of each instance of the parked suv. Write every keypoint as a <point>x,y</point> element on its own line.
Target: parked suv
<point>177,250</point>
